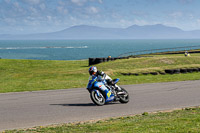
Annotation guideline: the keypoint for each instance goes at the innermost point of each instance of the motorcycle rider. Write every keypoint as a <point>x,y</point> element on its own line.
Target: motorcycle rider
<point>109,82</point>
<point>95,73</point>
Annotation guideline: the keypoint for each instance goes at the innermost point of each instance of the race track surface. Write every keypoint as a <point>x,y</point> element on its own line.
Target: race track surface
<point>40,108</point>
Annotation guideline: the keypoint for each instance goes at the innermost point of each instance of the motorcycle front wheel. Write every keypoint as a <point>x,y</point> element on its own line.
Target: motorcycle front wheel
<point>124,98</point>
<point>97,98</point>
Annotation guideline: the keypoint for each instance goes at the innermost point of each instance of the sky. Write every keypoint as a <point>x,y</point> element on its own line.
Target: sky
<point>41,16</point>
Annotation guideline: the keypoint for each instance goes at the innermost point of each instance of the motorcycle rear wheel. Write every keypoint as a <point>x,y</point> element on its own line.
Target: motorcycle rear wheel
<point>98,100</point>
<point>125,97</point>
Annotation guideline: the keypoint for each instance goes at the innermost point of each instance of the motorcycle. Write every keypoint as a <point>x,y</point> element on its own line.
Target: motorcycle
<point>102,92</point>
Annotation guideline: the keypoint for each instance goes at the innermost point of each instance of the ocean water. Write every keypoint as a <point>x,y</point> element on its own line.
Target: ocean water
<point>81,49</point>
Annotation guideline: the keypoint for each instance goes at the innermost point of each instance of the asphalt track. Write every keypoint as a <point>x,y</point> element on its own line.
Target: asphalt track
<point>40,108</point>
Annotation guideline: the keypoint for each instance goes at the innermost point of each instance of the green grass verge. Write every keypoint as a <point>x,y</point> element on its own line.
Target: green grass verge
<point>185,120</point>
<point>32,75</point>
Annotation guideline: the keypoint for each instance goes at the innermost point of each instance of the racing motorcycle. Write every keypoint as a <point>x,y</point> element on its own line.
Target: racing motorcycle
<point>103,91</point>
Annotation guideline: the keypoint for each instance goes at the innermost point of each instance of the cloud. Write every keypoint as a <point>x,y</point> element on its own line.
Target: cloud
<point>79,2</point>
<point>176,14</point>
<point>185,1</point>
<point>10,21</point>
<point>125,23</point>
<point>7,1</point>
<point>49,18</point>
<point>105,13</point>
<point>33,10</point>
<point>62,10</point>
<point>34,2</point>
<point>140,13</point>
<point>42,6</point>
<point>198,21</point>
<point>92,10</point>
<point>191,16</point>
<point>141,22</point>
<point>16,4</point>
<point>101,1</point>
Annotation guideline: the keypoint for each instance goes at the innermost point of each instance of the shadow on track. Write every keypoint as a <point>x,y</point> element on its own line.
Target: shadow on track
<point>79,104</point>
<point>83,104</point>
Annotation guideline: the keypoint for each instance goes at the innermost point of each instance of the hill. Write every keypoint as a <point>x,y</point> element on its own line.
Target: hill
<point>157,31</point>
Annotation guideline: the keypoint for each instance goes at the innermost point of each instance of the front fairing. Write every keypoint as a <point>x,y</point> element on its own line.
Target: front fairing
<point>92,79</point>
<point>97,82</point>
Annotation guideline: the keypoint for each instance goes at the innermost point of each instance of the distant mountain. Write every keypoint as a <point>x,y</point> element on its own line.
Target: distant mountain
<point>157,31</point>
<point>154,31</point>
<point>87,32</point>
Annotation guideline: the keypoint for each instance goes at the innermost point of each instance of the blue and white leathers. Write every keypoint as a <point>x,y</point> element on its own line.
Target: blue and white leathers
<point>97,84</point>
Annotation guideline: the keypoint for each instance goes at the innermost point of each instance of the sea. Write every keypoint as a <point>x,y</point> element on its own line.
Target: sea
<point>83,49</point>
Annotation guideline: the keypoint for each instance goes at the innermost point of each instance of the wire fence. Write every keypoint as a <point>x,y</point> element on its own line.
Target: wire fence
<point>152,51</point>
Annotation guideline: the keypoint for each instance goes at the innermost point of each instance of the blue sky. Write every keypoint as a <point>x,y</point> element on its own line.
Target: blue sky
<point>36,16</point>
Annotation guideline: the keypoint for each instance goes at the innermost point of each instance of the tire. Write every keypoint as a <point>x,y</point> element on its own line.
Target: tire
<point>190,70</point>
<point>122,98</point>
<point>145,73</point>
<point>169,71</point>
<point>195,69</point>
<point>154,73</point>
<point>162,73</point>
<point>183,70</point>
<point>176,71</point>
<point>98,100</point>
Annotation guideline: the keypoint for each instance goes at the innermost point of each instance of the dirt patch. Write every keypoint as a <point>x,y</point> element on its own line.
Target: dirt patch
<point>166,61</point>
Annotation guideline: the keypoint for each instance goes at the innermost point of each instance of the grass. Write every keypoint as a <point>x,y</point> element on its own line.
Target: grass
<point>29,75</point>
<point>185,120</point>
<point>32,75</point>
<point>155,63</point>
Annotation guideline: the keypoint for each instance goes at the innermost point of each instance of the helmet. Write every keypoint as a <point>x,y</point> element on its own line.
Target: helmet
<point>92,70</point>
